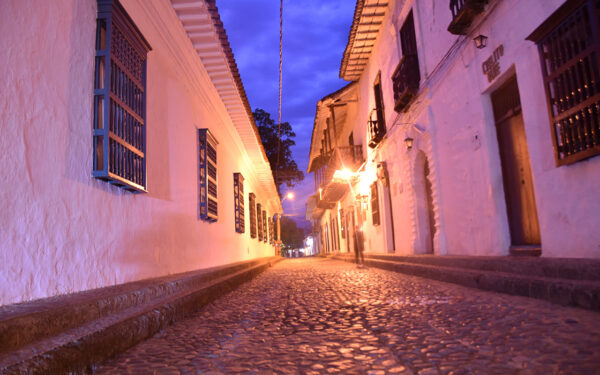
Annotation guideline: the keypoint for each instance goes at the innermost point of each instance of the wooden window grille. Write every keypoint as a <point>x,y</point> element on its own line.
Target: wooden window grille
<point>259,221</point>
<point>119,123</point>
<point>264,223</point>
<point>207,161</point>
<point>271,227</point>
<point>377,125</point>
<point>569,47</point>
<point>375,204</point>
<point>407,77</point>
<point>252,213</point>
<point>275,234</point>
<point>238,202</point>
<point>342,223</point>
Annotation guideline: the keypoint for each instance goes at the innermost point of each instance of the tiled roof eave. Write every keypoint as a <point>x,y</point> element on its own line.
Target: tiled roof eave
<point>203,25</point>
<point>368,18</point>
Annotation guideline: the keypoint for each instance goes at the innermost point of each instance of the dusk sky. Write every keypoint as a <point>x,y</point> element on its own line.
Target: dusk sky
<point>315,33</point>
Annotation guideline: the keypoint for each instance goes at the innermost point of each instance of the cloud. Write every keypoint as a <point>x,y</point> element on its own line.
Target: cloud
<point>315,35</point>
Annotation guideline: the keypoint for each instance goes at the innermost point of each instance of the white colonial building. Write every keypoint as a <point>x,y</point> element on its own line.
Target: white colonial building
<point>479,123</point>
<point>129,150</point>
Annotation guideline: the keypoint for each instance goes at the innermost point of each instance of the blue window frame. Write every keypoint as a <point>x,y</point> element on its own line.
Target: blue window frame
<point>119,128</point>
<point>207,163</point>
<point>252,213</point>
<point>238,202</point>
<point>264,223</point>
<point>259,221</point>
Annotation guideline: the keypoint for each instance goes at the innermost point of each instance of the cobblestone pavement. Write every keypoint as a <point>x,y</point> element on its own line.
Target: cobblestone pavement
<point>314,316</point>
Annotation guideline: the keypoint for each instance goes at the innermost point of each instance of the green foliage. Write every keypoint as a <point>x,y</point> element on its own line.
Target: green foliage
<point>291,235</point>
<point>286,171</point>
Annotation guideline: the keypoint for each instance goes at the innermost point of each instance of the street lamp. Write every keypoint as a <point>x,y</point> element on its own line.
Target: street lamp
<point>290,195</point>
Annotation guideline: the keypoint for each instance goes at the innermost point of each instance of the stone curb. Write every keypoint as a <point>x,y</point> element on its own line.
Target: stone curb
<point>80,349</point>
<point>577,293</point>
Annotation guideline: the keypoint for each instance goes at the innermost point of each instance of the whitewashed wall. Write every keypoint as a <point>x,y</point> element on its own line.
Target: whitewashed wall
<point>61,230</point>
<point>455,129</point>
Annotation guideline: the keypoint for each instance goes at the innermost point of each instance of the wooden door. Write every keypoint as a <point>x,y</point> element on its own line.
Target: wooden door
<point>430,212</point>
<point>516,169</point>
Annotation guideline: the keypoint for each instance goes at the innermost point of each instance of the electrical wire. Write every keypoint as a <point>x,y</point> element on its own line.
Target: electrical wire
<point>280,85</point>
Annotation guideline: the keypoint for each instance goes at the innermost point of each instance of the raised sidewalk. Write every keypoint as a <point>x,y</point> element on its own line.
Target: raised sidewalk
<point>74,333</point>
<point>564,281</point>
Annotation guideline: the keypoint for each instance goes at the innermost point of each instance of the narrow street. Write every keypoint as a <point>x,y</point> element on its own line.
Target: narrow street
<point>325,316</point>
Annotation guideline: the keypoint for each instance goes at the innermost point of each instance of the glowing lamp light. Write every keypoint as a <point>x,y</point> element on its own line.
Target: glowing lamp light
<point>290,195</point>
<point>344,174</point>
<point>480,41</point>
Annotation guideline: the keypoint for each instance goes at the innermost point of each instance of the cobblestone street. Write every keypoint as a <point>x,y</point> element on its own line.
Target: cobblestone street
<point>318,316</point>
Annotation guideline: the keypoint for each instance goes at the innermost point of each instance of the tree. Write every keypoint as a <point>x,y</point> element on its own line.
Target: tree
<point>286,171</point>
<point>291,235</point>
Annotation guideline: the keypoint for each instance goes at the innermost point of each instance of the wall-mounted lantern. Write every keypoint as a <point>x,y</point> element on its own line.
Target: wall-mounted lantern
<point>480,41</point>
<point>408,141</point>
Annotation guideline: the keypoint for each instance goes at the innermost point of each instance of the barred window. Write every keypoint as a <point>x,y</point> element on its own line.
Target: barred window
<point>275,234</point>
<point>259,221</point>
<point>569,46</point>
<point>342,223</point>
<point>375,204</point>
<point>264,223</point>
<point>119,123</point>
<point>252,213</point>
<point>271,239</point>
<point>238,202</point>
<point>207,161</point>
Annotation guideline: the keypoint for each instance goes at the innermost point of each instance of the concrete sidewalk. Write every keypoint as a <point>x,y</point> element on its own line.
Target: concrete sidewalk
<point>568,282</point>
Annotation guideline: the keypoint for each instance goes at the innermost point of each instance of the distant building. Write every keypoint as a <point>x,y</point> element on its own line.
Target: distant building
<point>129,150</point>
<point>480,130</point>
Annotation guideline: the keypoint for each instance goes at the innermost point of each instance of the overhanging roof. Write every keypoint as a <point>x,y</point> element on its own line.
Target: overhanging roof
<point>202,23</point>
<point>322,112</point>
<point>368,17</point>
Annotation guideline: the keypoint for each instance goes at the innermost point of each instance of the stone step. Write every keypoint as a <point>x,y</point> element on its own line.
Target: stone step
<point>563,268</point>
<point>101,323</point>
<point>564,289</point>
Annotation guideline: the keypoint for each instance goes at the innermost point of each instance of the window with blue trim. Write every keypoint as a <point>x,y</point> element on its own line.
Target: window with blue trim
<point>259,221</point>
<point>264,223</point>
<point>252,213</point>
<point>119,124</point>
<point>207,174</point>
<point>238,202</point>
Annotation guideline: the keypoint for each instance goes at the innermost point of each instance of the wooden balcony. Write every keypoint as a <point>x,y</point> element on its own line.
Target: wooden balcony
<point>406,80</point>
<point>344,157</point>
<point>330,190</point>
<point>463,13</point>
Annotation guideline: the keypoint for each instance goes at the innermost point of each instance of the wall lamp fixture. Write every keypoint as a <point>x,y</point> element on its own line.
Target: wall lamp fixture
<point>408,141</point>
<point>480,41</point>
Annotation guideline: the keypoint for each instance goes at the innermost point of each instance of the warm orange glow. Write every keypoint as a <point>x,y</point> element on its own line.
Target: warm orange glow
<point>344,174</point>
<point>290,195</point>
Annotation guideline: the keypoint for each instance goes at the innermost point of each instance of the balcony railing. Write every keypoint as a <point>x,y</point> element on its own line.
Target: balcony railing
<point>463,13</point>
<point>349,157</point>
<point>406,79</point>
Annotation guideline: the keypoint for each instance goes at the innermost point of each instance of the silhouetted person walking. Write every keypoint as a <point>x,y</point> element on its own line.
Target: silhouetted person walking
<point>359,243</point>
